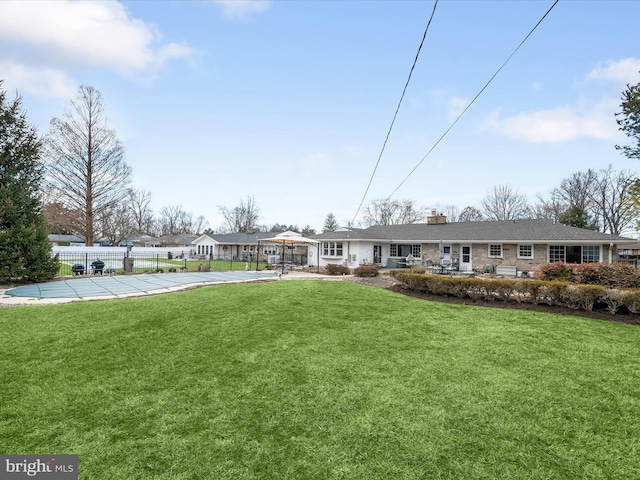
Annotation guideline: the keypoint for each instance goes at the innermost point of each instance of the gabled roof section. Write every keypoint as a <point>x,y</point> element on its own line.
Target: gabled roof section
<point>238,238</point>
<point>504,231</point>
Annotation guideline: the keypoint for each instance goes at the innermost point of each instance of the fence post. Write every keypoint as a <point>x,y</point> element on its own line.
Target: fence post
<point>86,263</point>
<point>157,262</point>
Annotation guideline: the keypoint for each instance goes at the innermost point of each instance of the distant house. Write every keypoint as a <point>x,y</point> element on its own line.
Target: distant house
<point>524,244</point>
<point>56,240</point>
<point>141,241</point>
<point>183,240</point>
<point>245,246</point>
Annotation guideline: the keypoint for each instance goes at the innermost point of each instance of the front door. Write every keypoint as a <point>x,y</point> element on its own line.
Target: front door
<point>465,258</point>
<point>377,254</point>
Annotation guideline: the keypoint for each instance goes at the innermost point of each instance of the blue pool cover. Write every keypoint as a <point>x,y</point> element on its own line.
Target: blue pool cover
<point>106,286</point>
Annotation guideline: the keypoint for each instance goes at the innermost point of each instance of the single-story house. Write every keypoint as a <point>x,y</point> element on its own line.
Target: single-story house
<point>142,241</point>
<point>56,239</point>
<point>244,246</point>
<point>181,241</point>
<point>469,246</point>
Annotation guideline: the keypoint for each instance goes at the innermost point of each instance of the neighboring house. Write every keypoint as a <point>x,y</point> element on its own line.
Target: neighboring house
<point>243,247</point>
<point>55,240</point>
<point>142,241</point>
<point>524,244</point>
<point>181,241</point>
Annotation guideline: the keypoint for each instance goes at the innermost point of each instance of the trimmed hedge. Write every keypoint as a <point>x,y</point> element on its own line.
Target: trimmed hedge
<point>553,293</point>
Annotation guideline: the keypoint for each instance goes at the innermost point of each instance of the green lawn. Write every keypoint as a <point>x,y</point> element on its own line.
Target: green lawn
<point>319,380</point>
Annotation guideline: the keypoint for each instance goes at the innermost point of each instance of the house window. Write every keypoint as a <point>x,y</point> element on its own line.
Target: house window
<point>556,253</point>
<point>270,250</point>
<point>402,250</point>
<point>591,254</point>
<point>525,251</point>
<point>332,249</point>
<point>495,251</point>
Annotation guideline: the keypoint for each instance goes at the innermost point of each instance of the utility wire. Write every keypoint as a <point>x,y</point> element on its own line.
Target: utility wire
<point>474,99</point>
<point>396,113</point>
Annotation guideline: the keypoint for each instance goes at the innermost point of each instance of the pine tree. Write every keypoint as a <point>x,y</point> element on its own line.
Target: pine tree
<point>25,253</point>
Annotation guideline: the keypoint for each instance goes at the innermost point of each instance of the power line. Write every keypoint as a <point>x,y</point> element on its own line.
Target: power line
<point>396,113</point>
<point>474,99</point>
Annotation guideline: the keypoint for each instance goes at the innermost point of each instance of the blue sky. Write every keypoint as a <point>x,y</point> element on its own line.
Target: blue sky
<point>290,101</point>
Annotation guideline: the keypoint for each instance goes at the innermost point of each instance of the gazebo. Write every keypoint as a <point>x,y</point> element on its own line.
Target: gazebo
<point>288,238</point>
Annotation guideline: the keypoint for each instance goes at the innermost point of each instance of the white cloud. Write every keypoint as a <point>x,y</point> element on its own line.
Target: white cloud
<point>626,70</point>
<point>587,118</point>
<point>561,124</point>
<point>43,82</point>
<point>86,34</point>
<point>242,8</point>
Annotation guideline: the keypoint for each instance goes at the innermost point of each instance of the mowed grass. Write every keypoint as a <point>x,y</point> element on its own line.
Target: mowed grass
<point>319,380</point>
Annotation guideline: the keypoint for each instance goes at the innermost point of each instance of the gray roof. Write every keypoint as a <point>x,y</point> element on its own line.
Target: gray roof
<point>53,237</point>
<point>241,238</point>
<point>504,231</point>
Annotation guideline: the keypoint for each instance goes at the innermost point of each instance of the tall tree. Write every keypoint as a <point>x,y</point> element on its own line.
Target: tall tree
<point>629,120</point>
<point>141,211</point>
<point>174,220</point>
<point>613,200</point>
<point>85,166</point>
<point>505,203</point>
<point>576,217</point>
<point>25,253</point>
<point>394,212</point>
<point>470,214</point>
<point>330,223</point>
<point>243,218</point>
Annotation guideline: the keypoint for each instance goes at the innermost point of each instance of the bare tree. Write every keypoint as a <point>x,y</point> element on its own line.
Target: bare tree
<point>450,211</point>
<point>200,225</point>
<point>141,212</point>
<point>116,223</point>
<point>613,200</point>
<point>394,212</point>
<point>577,190</point>
<point>242,218</point>
<point>549,209</point>
<point>173,220</point>
<point>504,203</point>
<point>470,214</point>
<point>84,161</point>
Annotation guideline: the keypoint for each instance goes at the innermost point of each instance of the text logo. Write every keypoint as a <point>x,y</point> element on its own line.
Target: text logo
<point>46,467</point>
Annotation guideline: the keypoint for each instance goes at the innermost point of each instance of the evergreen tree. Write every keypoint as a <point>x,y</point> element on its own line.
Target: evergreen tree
<point>25,253</point>
<point>330,223</point>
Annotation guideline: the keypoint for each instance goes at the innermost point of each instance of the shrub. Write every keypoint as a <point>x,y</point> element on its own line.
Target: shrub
<point>613,299</point>
<point>417,270</point>
<point>632,300</point>
<point>609,275</point>
<point>555,271</point>
<point>333,269</point>
<point>366,271</point>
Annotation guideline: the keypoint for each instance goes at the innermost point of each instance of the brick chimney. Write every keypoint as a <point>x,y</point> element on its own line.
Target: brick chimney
<point>436,218</point>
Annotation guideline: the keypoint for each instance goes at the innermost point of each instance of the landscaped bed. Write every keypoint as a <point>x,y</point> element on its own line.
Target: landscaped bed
<point>323,380</point>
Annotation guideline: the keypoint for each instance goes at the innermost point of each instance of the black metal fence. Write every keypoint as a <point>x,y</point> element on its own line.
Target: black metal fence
<point>106,263</point>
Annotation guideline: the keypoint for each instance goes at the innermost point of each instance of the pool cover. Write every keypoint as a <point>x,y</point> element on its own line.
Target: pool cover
<point>106,286</point>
